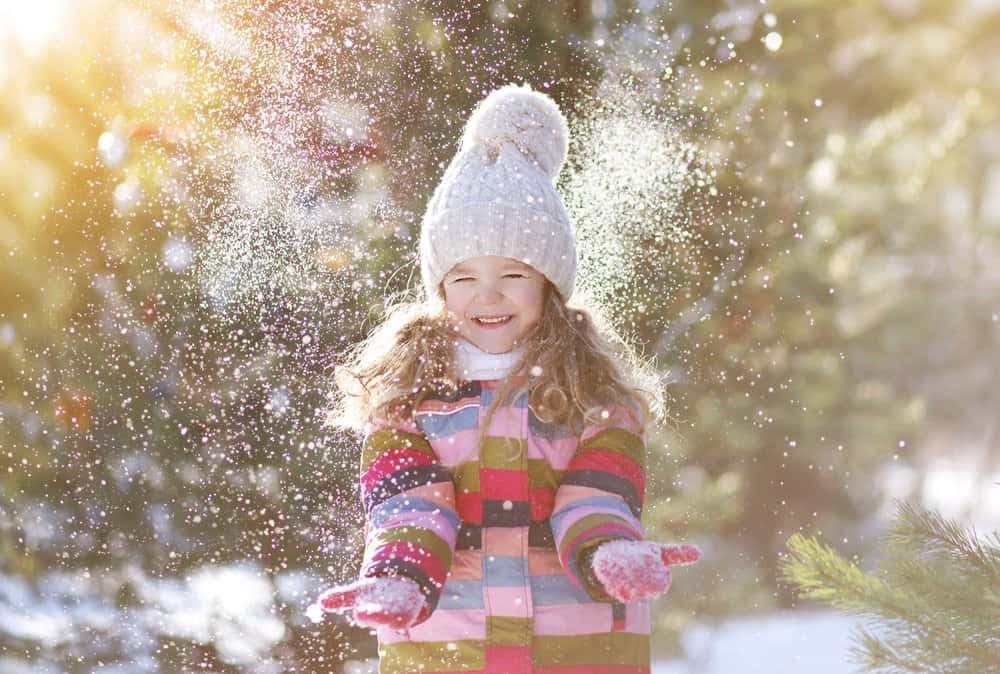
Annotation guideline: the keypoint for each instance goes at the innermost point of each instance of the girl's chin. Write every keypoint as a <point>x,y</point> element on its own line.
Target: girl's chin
<point>495,348</point>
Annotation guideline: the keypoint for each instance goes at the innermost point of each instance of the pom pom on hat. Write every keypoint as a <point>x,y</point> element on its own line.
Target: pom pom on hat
<point>528,119</point>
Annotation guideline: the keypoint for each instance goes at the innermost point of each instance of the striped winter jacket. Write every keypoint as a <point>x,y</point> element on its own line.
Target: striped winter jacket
<point>493,533</point>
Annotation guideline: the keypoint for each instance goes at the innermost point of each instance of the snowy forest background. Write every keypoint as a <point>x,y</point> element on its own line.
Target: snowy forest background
<point>793,206</point>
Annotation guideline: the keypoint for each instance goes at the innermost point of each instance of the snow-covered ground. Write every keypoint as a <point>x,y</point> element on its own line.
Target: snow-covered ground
<point>787,642</point>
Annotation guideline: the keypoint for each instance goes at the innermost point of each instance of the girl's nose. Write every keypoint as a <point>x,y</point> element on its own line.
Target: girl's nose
<point>489,293</point>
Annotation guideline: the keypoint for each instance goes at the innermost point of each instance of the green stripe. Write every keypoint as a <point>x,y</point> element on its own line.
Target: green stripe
<point>590,582</point>
<point>503,453</point>
<point>541,474</point>
<point>586,523</point>
<point>620,441</point>
<point>415,535</point>
<point>611,648</point>
<point>404,657</point>
<point>389,438</point>
<point>467,477</point>
<point>508,631</point>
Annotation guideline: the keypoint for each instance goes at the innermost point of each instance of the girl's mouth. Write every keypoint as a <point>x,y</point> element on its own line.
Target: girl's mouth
<point>492,321</point>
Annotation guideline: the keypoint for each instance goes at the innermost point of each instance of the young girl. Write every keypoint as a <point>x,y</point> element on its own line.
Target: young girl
<point>502,470</point>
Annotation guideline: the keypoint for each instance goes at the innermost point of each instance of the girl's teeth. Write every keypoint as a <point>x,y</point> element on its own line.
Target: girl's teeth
<point>493,320</point>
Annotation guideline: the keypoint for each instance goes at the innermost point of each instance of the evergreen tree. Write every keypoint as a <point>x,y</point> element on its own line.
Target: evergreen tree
<point>932,605</point>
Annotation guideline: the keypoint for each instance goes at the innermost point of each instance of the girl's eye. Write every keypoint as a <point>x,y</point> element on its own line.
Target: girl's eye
<point>515,276</point>
<point>463,278</point>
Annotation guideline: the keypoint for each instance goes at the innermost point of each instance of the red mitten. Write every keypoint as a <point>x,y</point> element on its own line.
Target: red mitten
<point>632,570</point>
<point>388,601</point>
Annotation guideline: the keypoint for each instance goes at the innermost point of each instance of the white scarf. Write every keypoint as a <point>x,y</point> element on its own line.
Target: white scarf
<point>474,364</point>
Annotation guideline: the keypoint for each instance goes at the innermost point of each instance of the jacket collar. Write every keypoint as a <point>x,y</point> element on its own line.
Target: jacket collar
<point>474,364</point>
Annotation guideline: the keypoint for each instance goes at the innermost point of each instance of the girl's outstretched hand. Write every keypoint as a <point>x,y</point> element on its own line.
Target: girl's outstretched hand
<point>632,570</point>
<point>387,601</point>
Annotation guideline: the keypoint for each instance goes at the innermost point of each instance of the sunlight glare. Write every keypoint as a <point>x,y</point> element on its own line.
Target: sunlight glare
<point>32,23</point>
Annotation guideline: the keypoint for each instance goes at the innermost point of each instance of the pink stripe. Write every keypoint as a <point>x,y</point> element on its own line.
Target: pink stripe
<point>443,625</point>
<point>437,524</point>
<point>579,513</point>
<point>618,417</point>
<point>505,549</point>
<point>557,452</point>
<point>544,563</point>
<point>637,617</point>
<point>572,619</point>
<point>505,541</point>
<point>457,448</point>
<point>467,565</point>
<point>507,422</point>
<point>512,602</point>
<point>568,494</point>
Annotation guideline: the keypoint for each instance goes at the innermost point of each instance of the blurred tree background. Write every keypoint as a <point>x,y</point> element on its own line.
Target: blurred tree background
<point>791,206</point>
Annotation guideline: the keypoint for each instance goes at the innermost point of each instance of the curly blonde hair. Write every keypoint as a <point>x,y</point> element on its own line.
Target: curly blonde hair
<point>574,365</point>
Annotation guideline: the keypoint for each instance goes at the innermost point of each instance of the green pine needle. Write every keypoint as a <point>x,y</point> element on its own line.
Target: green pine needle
<point>932,606</point>
<point>928,533</point>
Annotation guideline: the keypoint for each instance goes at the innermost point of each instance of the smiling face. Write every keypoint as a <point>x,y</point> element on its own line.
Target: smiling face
<point>494,301</point>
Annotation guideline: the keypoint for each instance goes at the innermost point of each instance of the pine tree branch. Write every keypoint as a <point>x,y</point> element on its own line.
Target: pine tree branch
<point>919,630</point>
<point>941,560</point>
<point>822,574</point>
<point>876,655</point>
<point>957,599</point>
<point>920,530</point>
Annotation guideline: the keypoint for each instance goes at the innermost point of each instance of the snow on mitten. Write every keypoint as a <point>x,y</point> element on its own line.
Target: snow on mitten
<point>633,570</point>
<point>385,601</point>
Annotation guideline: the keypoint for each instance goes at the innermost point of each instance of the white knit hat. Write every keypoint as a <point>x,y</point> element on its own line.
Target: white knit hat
<point>498,195</point>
